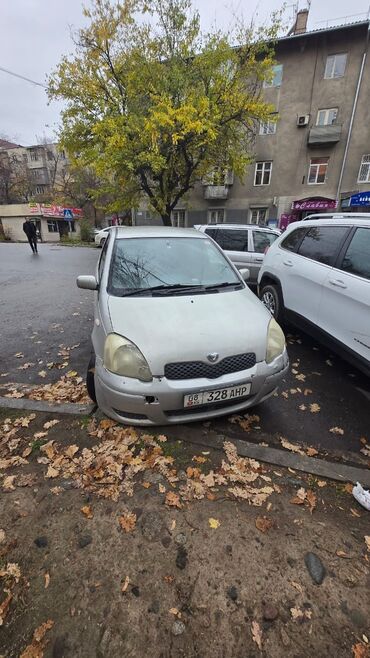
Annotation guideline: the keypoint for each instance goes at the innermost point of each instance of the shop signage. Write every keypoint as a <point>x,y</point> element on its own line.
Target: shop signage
<point>314,204</point>
<point>51,210</point>
<point>360,199</point>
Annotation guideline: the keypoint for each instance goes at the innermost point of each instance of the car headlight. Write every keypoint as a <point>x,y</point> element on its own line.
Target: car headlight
<point>123,358</point>
<point>275,341</point>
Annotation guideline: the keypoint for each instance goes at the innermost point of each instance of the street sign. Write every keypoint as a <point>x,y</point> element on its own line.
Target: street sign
<point>67,213</point>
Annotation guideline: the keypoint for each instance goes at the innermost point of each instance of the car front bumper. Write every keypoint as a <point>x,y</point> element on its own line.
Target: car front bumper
<point>161,401</point>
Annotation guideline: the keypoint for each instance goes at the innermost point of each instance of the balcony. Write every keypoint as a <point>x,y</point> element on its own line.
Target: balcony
<point>216,192</point>
<point>324,135</point>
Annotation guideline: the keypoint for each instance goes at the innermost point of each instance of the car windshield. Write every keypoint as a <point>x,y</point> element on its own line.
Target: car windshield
<point>167,264</point>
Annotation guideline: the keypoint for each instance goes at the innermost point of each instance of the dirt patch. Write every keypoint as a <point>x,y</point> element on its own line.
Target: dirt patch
<point>214,576</point>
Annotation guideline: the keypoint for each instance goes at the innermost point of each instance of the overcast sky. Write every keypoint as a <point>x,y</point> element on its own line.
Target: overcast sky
<point>34,34</point>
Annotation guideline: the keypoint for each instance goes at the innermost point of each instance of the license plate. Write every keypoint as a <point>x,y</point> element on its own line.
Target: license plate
<point>218,395</point>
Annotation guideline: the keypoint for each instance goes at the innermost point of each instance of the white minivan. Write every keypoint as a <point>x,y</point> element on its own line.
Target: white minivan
<point>316,275</point>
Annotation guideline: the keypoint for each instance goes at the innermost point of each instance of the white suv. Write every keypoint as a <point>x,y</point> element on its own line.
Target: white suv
<point>317,276</point>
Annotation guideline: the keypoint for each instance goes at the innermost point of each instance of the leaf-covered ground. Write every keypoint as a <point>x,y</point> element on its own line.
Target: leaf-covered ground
<point>116,542</point>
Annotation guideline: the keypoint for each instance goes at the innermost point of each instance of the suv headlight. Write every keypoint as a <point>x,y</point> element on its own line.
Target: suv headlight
<point>275,341</point>
<point>123,358</point>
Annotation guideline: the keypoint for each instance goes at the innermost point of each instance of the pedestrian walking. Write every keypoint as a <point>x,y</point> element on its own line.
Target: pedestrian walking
<point>30,230</point>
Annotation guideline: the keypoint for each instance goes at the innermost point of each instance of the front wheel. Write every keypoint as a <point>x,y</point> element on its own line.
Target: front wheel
<point>271,298</point>
<point>90,381</point>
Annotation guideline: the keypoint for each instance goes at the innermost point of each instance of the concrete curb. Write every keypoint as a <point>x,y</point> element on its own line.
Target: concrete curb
<point>314,466</point>
<point>48,407</point>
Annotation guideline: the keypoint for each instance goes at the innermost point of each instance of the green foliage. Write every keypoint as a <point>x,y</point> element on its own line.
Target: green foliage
<point>85,228</point>
<point>153,106</point>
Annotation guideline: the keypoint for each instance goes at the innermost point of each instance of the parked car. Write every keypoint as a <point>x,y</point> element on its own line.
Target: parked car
<point>101,236</point>
<point>245,244</point>
<point>317,276</point>
<point>177,336</point>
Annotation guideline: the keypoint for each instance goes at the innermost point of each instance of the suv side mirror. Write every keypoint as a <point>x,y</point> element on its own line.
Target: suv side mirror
<point>87,281</point>
<point>244,273</point>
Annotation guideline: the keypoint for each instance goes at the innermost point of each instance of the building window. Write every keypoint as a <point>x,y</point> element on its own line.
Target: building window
<point>262,173</point>
<point>268,127</point>
<point>216,216</point>
<point>364,172</point>
<point>327,117</point>
<point>178,218</point>
<point>258,215</point>
<point>277,77</point>
<point>34,156</point>
<point>318,170</point>
<point>335,66</point>
<point>52,226</point>
<point>50,155</point>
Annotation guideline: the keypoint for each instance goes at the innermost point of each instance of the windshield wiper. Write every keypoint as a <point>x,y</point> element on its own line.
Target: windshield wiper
<point>162,289</point>
<point>224,284</point>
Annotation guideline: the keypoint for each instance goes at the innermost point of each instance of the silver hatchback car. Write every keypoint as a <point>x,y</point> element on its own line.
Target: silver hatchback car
<point>177,335</point>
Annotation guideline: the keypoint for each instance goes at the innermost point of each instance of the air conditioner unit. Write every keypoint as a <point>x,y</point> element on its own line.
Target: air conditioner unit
<point>302,120</point>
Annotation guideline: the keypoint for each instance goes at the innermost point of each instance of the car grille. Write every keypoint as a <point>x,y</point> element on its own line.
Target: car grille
<point>195,369</point>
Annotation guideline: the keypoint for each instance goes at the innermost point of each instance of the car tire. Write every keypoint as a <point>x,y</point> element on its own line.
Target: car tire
<point>270,297</point>
<point>102,242</point>
<point>90,378</point>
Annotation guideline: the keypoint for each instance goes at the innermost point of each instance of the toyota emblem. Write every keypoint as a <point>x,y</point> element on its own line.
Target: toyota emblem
<point>213,357</point>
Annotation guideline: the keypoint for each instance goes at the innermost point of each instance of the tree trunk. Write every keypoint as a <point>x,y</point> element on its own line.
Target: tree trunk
<point>166,219</point>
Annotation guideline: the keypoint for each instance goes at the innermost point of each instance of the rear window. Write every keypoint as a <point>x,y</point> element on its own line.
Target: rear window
<point>357,257</point>
<point>322,243</point>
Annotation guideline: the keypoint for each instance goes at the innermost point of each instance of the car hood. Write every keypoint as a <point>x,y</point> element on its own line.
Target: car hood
<point>187,328</point>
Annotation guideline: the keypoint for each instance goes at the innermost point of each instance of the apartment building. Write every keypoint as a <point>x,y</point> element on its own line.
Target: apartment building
<point>316,156</point>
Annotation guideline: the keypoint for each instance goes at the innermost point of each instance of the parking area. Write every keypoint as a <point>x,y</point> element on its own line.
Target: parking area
<point>45,333</point>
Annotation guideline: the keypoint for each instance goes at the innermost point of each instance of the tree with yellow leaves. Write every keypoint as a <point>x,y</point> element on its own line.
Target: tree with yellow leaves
<point>153,105</point>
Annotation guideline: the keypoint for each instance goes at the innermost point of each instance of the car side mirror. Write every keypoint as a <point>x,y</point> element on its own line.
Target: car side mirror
<point>244,273</point>
<point>87,281</point>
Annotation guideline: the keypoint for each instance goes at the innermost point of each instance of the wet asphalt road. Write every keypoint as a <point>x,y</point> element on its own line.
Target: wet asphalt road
<point>42,311</point>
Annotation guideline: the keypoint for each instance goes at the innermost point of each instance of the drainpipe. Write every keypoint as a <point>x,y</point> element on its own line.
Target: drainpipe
<point>353,115</point>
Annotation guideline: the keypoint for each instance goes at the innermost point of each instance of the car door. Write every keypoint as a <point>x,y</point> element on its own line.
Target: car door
<point>304,272</point>
<point>234,242</point>
<point>345,303</point>
<point>259,242</point>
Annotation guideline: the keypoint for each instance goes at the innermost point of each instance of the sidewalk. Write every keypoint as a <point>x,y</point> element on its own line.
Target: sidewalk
<point>115,542</point>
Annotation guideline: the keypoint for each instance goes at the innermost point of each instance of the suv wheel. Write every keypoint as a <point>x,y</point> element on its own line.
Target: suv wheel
<point>270,296</point>
<point>90,382</point>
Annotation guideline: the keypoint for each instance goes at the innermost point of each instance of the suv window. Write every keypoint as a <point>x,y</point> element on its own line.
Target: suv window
<point>357,256</point>
<point>322,243</point>
<point>262,240</point>
<point>230,239</point>
<point>294,239</point>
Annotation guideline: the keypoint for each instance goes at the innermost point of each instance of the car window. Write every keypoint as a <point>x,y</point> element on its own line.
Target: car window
<point>357,256</point>
<point>232,239</point>
<point>212,232</point>
<point>322,243</point>
<point>148,262</point>
<point>263,240</point>
<point>294,239</point>
<point>102,258</point>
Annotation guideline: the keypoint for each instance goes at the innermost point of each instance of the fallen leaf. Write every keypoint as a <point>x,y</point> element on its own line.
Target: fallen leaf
<point>125,584</point>
<point>297,586</point>
<point>162,488</point>
<point>25,366</point>
<point>257,634</point>
<point>161,438</point>
<point>56,490</point>
<point>348,488</point>
<point>173,525</point>
<point>367,542</point>
<point>311,452</point>
<point>193,472</point>
<point>73,373</point>
<point>39,435</point>
<point>172,499</point>
<point>314,408</point>
<point>300,497</point>
<point>311,499</point>
<point>337,430</point>
<point>263,523</point>
<point>52,472</point>
<point>355,513</point>
<point>127,521</point>
<point>50,423</point>
<point>302,407</point>
<point>301,377</point>
<point>47,580</point>
<point>36,648</point>
<point>328,362</point>
<point>8,483</point>
<point>42,373</point>
<point>2,536</point>
<point>87,511</point>
<point>342,554</point>
<point>71,451</point>
<point>297,613</point>
<point>174,611</point>
<point>19,355</point>
<point>4,607</point>
<point>213,523</point>
<point>147,485</point>
<point>321,483</point>
<point>360,650</point>
<point>291,446</point>
<point>12,570</point>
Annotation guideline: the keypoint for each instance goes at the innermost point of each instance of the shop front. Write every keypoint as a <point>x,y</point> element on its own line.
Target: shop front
<point>301,208</point>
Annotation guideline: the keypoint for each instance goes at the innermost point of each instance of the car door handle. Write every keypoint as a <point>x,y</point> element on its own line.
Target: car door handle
<point>258,259</point>
<point>338,283</point>
<point>288,263</point>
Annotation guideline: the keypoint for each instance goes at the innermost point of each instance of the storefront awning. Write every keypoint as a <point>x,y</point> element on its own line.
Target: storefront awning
<point>314,203</point>
<point>360,199</point>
